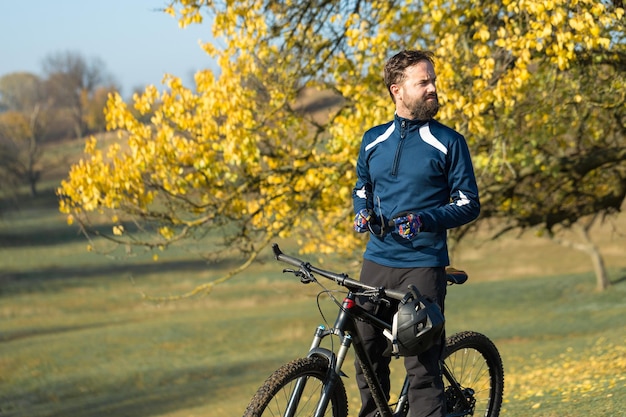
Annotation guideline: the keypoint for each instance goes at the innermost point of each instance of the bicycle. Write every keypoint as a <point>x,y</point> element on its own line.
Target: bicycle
<point>312,386</point>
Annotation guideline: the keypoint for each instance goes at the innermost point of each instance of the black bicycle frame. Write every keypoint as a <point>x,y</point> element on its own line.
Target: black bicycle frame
<point>345,328</point>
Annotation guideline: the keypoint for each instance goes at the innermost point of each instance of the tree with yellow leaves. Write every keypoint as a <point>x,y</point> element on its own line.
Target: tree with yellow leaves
<point>536,86</point>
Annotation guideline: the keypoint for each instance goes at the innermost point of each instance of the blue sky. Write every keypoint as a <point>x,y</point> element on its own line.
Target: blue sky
<point>136,42</point>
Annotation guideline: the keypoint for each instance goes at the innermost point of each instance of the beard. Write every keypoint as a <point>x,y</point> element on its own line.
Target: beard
<point>425,109</point>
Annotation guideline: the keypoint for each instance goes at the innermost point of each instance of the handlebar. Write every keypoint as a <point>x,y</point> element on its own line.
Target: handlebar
<point>340,278</point>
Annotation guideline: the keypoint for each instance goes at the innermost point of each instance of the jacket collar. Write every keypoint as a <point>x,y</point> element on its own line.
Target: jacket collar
<point>409,122</point>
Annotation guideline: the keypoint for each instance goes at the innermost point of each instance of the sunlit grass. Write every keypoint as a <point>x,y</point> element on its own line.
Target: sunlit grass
<point>592,372</point>
<point>78,339</point>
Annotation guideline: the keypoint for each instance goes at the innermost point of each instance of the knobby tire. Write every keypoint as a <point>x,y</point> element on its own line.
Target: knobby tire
<point>272,397</point>
<point>475,364</point>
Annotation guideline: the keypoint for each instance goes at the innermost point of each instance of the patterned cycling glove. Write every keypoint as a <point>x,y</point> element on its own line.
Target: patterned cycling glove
<point>408,226</point>
<point>362,219</point>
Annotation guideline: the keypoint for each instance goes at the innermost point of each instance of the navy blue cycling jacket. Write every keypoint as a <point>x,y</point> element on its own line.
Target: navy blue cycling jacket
<point>423,167</point>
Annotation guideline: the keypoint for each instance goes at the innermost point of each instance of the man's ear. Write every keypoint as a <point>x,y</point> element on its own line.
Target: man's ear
<point>394,89</point>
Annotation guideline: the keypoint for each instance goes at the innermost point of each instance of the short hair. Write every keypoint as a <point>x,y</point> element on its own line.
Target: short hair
<point>397,64</point>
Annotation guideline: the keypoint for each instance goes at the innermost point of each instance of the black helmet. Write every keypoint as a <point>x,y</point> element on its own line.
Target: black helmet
<point>416,326</point>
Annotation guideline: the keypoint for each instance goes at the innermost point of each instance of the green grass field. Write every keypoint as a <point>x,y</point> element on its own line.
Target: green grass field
<point>78,339</point>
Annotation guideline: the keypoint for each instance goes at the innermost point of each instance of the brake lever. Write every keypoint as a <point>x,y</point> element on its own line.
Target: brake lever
<point>305,276</point>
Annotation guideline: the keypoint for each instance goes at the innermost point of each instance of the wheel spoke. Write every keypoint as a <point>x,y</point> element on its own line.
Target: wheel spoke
<point>475,365</point>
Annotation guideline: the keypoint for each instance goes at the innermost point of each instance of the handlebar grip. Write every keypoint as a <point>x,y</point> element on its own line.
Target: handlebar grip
<point>280,256</point>
<point>395,294</point>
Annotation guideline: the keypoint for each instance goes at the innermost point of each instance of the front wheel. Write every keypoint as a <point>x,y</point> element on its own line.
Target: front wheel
<point>298,386</point>
<point>473,376</point>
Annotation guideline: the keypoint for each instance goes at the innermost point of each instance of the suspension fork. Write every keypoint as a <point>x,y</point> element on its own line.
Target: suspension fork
<point>344,321</point>
<point>333,376</point>
<point>294,399</point>
<point>335,362</point>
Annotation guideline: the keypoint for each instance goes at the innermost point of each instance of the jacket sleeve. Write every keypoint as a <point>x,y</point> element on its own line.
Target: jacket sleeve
<point>464,203</point>
<point>362,192</point>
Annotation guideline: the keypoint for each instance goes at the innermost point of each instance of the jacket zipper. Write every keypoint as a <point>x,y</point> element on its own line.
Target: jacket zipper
<point>396,160</point>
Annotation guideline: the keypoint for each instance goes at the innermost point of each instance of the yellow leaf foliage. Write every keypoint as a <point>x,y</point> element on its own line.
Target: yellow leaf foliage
<point>236,146</point>
<point>580,374</point>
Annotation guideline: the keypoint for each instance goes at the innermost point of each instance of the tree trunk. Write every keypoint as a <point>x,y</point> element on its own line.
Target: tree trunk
<point>591,249</point>
<point>602,278</point>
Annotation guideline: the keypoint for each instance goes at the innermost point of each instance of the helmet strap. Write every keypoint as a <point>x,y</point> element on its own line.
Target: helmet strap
<point>393,336</point>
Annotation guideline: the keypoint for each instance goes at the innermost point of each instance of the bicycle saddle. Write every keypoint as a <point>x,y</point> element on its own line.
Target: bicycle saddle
<point>456,276</point>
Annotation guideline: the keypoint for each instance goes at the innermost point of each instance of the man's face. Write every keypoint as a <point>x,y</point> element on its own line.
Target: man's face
<point>416,96</point>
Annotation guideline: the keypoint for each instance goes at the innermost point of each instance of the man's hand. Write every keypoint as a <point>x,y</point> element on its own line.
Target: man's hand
<point>408,225</point>
<point>362,219</point>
